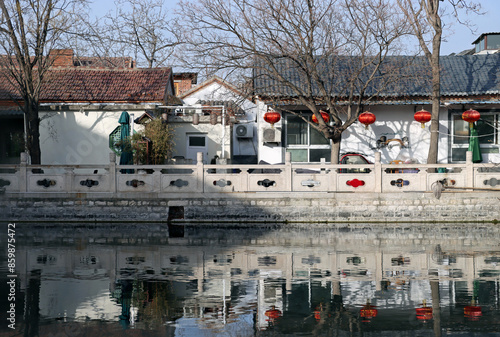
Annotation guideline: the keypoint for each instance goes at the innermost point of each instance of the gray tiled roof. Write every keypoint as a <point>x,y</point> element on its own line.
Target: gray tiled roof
<point>461,76</point>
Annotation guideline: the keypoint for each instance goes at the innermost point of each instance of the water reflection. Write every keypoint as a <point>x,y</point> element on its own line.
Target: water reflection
<point>414,280</point>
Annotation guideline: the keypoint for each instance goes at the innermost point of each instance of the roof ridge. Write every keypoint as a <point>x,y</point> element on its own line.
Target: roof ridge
<point>87,68</point>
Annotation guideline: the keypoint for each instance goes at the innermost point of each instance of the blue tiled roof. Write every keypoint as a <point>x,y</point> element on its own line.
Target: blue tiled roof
<point>470,75</point>
<point>461,76</point>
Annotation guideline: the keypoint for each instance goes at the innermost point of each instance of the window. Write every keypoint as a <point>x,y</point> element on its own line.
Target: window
<point>197,141</point>
<point>114,138</point>
<point>488,42</point>
<point>486,128</point>
<point>493,42</point>
<point>480,45</point>
<point>304,142</point>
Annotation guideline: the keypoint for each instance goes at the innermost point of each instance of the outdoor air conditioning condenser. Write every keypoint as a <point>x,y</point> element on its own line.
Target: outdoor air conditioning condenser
<point>271,135</point>
<point>244,131</point>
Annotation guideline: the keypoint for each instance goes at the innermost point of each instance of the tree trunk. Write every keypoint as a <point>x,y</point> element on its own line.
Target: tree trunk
<point>435,20</point>
<point>436,99</point>
<point>335,141</point>
<point>33,133</point>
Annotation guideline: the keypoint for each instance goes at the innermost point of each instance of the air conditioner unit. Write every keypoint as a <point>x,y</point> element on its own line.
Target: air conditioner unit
<point>244,131</point>
<point>271,135</point>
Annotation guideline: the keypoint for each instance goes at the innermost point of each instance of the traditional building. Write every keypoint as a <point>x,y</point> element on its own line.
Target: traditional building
<point>80,104</point>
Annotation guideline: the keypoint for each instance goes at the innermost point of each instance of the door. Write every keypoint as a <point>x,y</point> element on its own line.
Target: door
<point>196,143</point>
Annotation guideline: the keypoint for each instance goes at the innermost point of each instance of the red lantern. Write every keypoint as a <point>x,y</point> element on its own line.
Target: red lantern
<point>367,118</point>
<point>324,115</point>
<point>471,116</point>
<point>473,312</point>
<point>422,117</point>
<point>272,117</point>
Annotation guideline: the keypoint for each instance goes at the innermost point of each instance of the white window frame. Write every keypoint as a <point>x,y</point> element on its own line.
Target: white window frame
<point>308,147</point>
<point>485,147</point>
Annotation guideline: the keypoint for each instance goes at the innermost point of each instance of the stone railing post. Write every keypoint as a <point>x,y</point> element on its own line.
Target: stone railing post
<point>23,170</point>
<point>378,173</point>
<point>112,172</point>
<point>469,169</point>
<point>68,179</point>
<point>288,171</point>
<point>200,172</point>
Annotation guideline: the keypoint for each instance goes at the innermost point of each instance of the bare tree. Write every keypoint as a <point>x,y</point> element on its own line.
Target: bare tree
<point>29,29</point>
<point>424,17</point>
<point>329,55</point>
<point>143,28</point>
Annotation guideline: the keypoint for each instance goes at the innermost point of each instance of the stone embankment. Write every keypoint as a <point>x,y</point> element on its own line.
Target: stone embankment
<point>258,207</point>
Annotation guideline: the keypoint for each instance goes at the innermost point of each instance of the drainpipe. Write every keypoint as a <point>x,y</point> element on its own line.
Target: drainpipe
<point>131,125</point>
<point>223,131</point>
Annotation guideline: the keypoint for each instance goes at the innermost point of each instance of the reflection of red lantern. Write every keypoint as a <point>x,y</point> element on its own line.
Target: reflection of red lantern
<point>473,312</point>
<point>422,117</point>
<point>367,118</point>
<point>424,313</point>
<point>273,313</point>
<point>368,312</point>
<point>324,115</point>
<point>471,116</point>
<point>272,117</point>
<point>318,312</point>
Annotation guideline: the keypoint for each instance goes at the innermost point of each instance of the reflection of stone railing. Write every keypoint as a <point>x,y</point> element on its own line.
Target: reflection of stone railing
<point>352,258</point>
<point>114,179</point>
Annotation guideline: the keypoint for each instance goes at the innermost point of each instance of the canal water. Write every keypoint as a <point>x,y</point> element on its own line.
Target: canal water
<point>251,280</point>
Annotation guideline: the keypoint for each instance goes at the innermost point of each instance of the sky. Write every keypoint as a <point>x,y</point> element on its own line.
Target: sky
<point>456,36</point>
<point>459,38</point>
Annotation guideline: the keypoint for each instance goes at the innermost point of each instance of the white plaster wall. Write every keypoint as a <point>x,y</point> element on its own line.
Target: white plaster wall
<point>218,92</point>
<point>214,138</point>
<point>78,138</point>
<point>393,122</point>
<point>269,152</point>
<point>396,122</point>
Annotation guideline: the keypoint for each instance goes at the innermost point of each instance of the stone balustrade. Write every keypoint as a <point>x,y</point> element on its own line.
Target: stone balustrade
<point>131,180</point>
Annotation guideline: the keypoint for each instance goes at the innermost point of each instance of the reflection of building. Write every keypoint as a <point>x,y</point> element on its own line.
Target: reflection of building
<point>214,281</point>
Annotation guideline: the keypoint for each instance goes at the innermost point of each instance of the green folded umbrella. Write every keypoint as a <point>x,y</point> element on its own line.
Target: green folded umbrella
<point>126,156</point>
<point>474,145</point>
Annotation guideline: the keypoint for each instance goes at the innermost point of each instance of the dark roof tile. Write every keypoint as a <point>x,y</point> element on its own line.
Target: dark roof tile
<point>461,75</point>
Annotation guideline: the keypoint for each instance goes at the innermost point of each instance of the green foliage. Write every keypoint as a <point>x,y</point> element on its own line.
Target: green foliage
<point>157,303</point>
<point>158,138</point>
<point>15,144</point>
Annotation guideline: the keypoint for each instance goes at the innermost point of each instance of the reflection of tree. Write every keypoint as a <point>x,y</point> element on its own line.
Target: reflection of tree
<point>156,303</point>
<point>436,308</point>
<point>333,316</point>
<point>32,312</point>
<point>326,315</point>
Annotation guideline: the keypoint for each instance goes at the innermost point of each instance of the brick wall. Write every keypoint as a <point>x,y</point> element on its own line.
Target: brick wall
<point>62,57</point>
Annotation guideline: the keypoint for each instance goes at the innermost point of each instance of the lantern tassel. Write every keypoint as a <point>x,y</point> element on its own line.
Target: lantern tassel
<point>423,125</point>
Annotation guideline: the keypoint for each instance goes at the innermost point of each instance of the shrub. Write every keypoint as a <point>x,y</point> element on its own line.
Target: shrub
<point>160,138</point>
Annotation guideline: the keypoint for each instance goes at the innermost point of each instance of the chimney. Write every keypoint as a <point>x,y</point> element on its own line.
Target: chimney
<point>62,57</point>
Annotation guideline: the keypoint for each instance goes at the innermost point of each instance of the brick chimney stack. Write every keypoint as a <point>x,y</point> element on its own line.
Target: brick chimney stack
<point>62,57</point>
